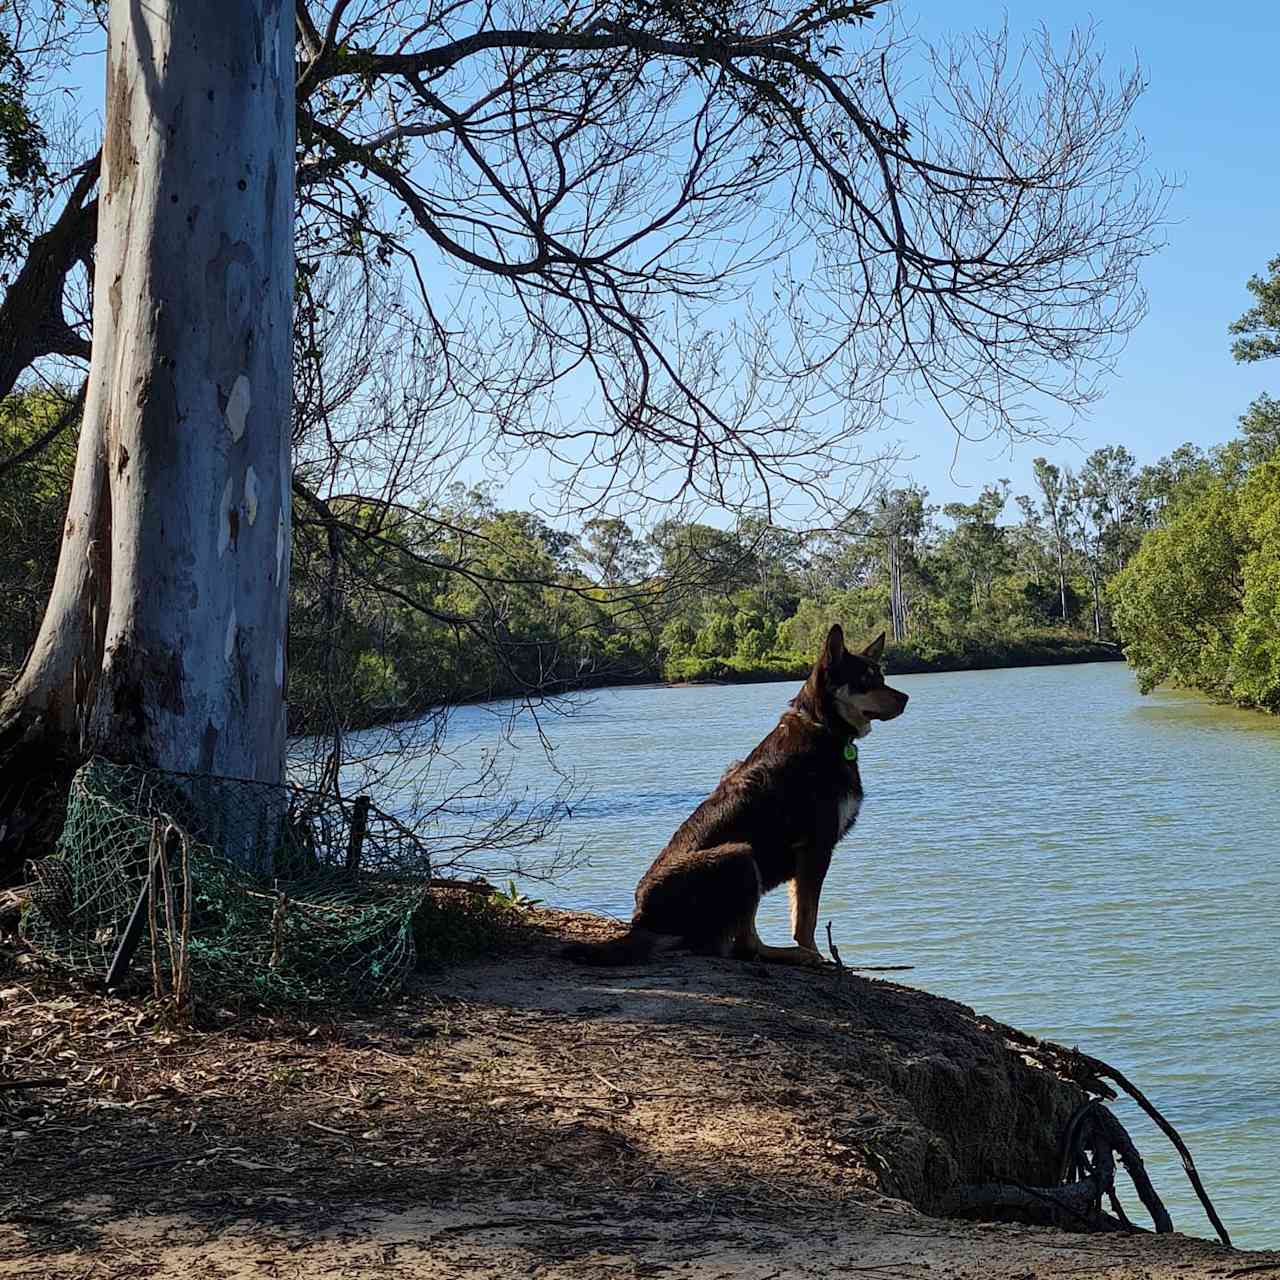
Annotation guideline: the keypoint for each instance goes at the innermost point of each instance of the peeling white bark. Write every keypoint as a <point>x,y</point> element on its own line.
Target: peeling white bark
<point>238,405</point>
<point>164,637</point>
<point>251,495</point>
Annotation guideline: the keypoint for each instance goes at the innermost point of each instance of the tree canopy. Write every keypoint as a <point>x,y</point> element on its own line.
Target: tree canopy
<point>696,248</point>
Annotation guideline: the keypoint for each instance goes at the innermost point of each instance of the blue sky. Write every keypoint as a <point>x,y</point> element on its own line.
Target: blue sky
<point>1209,117</point>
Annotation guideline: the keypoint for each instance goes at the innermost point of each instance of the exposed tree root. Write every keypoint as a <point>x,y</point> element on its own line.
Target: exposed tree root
<point>1091,1143</point>
<point>1091,1073</point>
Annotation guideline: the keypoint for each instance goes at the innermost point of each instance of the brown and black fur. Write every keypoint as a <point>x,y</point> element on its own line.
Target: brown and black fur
<point>774,818</point>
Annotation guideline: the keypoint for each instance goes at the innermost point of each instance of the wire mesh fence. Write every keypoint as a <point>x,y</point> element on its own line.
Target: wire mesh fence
<point>288,896</point>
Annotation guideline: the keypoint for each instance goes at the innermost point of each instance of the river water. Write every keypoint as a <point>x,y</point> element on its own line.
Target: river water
<point>1043,844</point>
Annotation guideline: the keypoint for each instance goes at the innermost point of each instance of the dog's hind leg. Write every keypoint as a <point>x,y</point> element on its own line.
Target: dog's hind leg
<point>703,896</point>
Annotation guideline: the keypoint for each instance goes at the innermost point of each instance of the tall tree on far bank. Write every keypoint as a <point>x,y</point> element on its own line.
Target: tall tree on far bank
<point>1110,480</point>
<point>1086,520</point>
<point>1257,337</point>
<point>1053,511</point>
<point>978,545</point>
<point>1257,332</point>
<point>899,518</point>
<point>612,552</point>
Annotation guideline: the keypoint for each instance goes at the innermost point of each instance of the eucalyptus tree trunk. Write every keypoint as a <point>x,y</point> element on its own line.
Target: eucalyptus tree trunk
<point>1095,582</point>
<point>164,638</point>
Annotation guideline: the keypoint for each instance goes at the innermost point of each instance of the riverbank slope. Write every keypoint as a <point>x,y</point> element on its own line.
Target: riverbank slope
<point>520,1116</point>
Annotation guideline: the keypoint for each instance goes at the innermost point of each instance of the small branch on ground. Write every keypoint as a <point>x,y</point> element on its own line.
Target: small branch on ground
<point>835,954</point>
<point>842,968</point>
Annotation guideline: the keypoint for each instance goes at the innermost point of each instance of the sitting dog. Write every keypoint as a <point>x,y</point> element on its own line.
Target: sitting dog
<point>774,818</point>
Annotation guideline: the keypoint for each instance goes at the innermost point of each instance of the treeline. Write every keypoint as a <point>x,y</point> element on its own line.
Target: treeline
<point>1199,605</point>
<point>396,607</point>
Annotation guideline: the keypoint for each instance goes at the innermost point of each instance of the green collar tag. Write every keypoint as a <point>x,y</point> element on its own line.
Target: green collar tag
<point>851,750</point>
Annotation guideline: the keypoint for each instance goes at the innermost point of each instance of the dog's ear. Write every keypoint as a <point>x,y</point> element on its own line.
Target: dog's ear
<point>875,650</point>
<point>833,649</point>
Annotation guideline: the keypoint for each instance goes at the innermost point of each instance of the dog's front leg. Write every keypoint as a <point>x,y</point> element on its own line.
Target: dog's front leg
<point>805,891</point>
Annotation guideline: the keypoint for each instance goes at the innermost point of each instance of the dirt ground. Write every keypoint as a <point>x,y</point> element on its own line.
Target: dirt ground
<point>522,1117</point>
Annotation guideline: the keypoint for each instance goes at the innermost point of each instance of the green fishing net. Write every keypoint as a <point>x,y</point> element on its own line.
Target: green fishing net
<point>279,894</point>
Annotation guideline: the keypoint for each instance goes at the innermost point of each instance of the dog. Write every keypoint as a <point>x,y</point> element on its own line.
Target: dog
<point>775,818</point>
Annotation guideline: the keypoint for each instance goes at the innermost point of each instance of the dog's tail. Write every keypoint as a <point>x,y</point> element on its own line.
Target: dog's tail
<point>634,947</point>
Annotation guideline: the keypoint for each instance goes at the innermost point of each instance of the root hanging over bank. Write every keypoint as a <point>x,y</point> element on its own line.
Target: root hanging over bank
<point>1091,1142</point>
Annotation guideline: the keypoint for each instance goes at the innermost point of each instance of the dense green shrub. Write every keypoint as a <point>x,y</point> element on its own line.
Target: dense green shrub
<point>1199,605</point>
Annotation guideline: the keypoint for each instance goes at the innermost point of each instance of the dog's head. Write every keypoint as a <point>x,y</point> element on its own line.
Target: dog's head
<point>850,687</point>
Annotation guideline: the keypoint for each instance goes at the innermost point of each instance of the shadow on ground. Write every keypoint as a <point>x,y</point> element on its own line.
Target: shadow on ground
<point>522,1116</point>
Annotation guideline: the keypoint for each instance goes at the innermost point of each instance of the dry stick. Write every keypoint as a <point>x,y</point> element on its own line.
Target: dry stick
<point>843,968</point>
<point>835,954</point>
<point>170,924</point>
<point>155,852</point>
<point>172,927</point>
<point>48,1082</point>
<point>183,991</point>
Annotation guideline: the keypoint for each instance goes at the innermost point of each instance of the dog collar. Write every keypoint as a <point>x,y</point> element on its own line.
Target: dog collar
<point>851,750</point>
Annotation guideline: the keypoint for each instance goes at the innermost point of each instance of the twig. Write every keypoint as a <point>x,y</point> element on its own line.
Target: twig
<point>842,968</point>
<point>498,1224</point>
<point>608,1084</point>
<point>471,886</point>
<point>47,1082</point>
<point>326,1128</point>
<point>835,952</point>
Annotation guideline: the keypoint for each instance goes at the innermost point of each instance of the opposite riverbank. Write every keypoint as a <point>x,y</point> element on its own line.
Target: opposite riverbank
<point>1035,650</point>
<point>517,1115</point>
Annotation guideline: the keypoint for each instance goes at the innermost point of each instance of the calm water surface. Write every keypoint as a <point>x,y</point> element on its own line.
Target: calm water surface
<point>1042,844</point>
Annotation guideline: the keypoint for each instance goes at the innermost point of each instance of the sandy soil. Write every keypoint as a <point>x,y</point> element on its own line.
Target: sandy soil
<point>522,1117</point>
